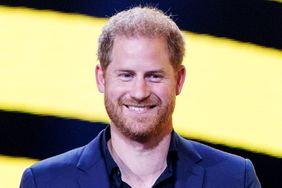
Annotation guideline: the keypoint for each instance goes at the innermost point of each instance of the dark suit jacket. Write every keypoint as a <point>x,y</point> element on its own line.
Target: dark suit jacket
<point>198,166</point>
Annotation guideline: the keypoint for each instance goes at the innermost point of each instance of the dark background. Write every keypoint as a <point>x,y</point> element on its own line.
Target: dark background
<point>39,137</point>
<point>253,21</point>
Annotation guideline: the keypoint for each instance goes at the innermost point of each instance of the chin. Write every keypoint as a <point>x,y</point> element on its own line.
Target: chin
<point>141,132</point>
<point>140,136</point>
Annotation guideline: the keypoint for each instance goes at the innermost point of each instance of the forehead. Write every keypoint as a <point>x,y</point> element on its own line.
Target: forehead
<point>141,51</point>
<point>124,41</point>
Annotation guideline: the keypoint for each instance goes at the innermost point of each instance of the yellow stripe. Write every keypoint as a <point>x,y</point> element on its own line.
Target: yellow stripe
<point>47,63</point>
<point>11,170</point>
<point>279,1</point>
<point>232,95</point>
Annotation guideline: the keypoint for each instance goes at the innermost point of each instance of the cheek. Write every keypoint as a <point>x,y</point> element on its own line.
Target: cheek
<point>115,89</point>
<point>164,92</point>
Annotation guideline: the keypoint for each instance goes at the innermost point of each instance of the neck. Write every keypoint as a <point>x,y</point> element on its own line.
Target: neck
<point>140,163</point>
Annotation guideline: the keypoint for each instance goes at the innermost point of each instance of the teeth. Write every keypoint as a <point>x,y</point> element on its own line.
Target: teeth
<point>137,108</point>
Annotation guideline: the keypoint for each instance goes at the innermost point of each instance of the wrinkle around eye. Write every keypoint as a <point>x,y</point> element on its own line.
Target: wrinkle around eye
<point>125,76</point>
<point>155,78</point>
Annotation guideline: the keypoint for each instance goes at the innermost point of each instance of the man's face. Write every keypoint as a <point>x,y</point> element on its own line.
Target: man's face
<point>140,86</point>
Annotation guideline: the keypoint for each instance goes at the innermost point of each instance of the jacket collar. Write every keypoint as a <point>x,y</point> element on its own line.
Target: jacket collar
<point>189,172</point>
<point>92,165</point>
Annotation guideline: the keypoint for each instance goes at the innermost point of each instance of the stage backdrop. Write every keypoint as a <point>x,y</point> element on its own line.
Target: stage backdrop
<point>232,98</point>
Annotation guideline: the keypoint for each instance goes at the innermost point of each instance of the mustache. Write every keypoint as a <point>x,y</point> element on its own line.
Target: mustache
<point>150,101</point>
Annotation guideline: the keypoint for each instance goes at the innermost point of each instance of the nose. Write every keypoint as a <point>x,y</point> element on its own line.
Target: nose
<point>140,89</point>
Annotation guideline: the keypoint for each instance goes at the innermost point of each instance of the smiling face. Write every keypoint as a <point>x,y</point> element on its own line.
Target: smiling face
<point>140,86</point>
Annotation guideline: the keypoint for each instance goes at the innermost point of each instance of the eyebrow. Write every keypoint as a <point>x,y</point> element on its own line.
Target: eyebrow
<point>155,72</point>
<point>123,71</point>
<point>160,71</point>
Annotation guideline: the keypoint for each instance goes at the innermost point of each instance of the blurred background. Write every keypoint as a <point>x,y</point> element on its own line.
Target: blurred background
<point>232,98</point>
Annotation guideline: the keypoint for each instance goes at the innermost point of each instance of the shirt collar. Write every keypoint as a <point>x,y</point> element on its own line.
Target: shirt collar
<point>110,163</point>
<point>112,166</point>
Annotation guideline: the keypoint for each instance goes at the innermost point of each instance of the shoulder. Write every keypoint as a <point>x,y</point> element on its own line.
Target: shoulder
<point>214,158</point>
<point>62,170</point>
<point>66,160</point>
<point>213,155</point>
<point>206,154</point>
<point>71,159</point>
<point>221,166</point>
<point>55,169</point>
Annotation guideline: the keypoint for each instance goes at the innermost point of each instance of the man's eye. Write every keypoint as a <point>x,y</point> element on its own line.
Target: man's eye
<point>125,76</point>
<point>155,77</point>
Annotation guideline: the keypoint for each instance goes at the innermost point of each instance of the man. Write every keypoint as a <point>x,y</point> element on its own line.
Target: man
<point>140,73</point>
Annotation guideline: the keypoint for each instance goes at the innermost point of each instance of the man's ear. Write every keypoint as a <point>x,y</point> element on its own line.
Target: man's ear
<point>181,74</point>
<point>100,78</point>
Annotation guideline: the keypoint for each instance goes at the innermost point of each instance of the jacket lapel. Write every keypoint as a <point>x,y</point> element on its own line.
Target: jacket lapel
<point>188,171</point>
<point>92,169</point>
<point>94,177</point>
<point>92,166</point>
<point>191,177</point>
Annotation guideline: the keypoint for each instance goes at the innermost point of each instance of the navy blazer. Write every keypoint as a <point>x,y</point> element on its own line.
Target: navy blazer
<point>198,166</point>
